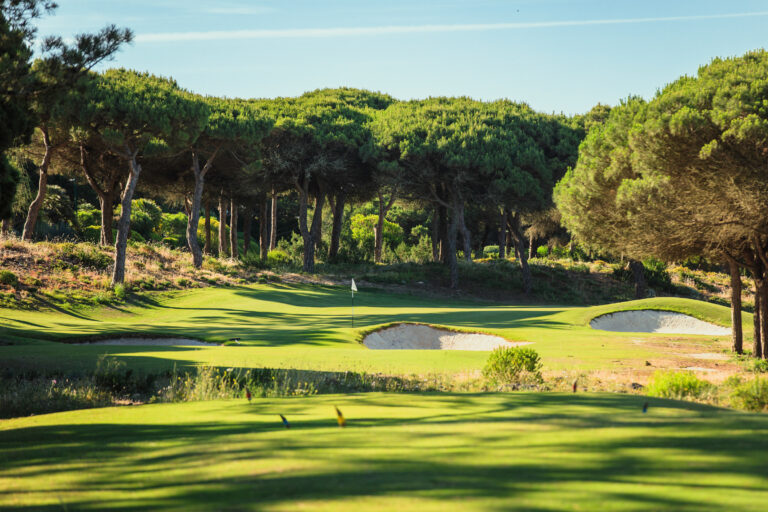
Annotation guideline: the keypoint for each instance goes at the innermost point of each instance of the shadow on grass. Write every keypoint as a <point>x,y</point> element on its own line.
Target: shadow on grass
<point>381,457</point>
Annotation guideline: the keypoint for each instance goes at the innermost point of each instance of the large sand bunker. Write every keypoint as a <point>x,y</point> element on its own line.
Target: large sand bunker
<point>649,320</point>
<point>423,337</point>
<point>185,342</point>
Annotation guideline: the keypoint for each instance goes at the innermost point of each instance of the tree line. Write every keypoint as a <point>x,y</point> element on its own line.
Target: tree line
<point>684,174</point>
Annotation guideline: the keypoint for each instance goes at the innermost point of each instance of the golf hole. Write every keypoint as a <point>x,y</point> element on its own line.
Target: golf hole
<point>649,320</point>
<point>424,337</point>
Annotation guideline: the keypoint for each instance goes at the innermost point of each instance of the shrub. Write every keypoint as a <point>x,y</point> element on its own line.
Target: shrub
<point>363,233</point>
<point>85,255</point>
<point>278,257</point>
<point>656,274</point>
<point>513,365</point>
<point>9,278</point>
<point>120,291</point>
<point>422,252</point>
<point>135,236</point>
<point>92,233</point>
<point>752,396</point>
<point>542,251</point>
<point>491,251</point>
<point>760,366</point>
<point>88,217</point>
<point>678,385</point>
<point>173,224</point>
<point>111,374</point>
<point>145,217</point>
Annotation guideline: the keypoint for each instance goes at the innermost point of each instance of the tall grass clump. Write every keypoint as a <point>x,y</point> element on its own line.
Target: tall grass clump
<point>678,385</point>
<point>513,366</point>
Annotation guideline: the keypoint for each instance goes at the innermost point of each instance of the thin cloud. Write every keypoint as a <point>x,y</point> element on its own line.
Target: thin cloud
<point>223,35</point>
<point>241,11</point>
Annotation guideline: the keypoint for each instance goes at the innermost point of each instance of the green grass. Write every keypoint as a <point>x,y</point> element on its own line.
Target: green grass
<point>309,327</point>
<point>521,451</point>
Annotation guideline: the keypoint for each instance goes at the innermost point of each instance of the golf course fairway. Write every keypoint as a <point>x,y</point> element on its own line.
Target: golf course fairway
<point>502,451</point>
<point>310,327</point>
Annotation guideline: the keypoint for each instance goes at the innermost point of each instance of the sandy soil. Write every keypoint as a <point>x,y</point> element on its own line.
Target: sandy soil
<point>656,321</point>
<point>423,337</point>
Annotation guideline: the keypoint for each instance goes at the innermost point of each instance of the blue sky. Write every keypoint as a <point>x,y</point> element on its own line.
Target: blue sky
<point>556,55</point>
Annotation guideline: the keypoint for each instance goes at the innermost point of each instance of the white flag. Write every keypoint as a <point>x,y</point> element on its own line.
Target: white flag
<point>354,287</point>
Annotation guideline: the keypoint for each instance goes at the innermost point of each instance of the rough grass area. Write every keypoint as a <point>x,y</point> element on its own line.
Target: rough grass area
<point>521,451</point>
<point>70,275</point>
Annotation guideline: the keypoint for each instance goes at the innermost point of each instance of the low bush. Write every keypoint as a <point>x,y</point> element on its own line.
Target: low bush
<point>84,255</point>
<point>491,251</point>
<point>9,278</point>
<point>752,395</point>
<point>514,365</point>
<point>120,291</point>
<point>679,385</point>
<point>278,258</point>
<point>760,366</point>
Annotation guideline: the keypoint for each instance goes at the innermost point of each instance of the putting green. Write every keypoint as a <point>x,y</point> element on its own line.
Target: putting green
<point>309,327</point>
<point>499,451</point>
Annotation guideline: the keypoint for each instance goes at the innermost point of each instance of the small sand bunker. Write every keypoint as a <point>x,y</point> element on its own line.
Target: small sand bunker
<point>423,337</point>
<point>151,341</point>
<point>649,320</point>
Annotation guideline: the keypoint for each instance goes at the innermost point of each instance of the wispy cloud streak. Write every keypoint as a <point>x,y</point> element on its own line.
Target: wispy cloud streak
<point>224,35</point>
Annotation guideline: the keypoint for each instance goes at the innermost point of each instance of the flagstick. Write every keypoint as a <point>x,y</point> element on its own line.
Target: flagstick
<point>353,288</point>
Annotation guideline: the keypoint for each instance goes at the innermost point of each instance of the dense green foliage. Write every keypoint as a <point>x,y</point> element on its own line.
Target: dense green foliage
<point>513,365</point>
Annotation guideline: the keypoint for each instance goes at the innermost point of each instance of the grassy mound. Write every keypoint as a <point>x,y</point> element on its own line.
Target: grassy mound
<point>406,452</point>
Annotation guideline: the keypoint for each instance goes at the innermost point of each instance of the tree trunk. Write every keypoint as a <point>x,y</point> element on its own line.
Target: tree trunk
<point>736,328</point>
<point>338,221</point>
<point>317,224</point>
<point>105,204</point>
<point>503,234</point>
<point>641,288</point>
<point>106,196</point>
<point>207,247</point>
<point>34,209</point>
<point>378,231</point>
<point>444,228</point>
<point>247,229</point>
<point>764,318</point>
<point>450,252</point>
<point>757,346</point>
<point>465,236</point>
<point>222,225</point>
<point>530,246</point>
<point>6,227</point>
<point>519,240</point>
<point>273,222</point>
<point>309,234</point>
<point>263,229</point>
<point>436,234</point>
<point>233,252</point>
<point>193,217</point>
<point>124,223</point>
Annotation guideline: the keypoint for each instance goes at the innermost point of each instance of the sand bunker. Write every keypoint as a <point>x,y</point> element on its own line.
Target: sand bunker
<point>649,320</point>
<point>151,341</point>
<point>423,337</point>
